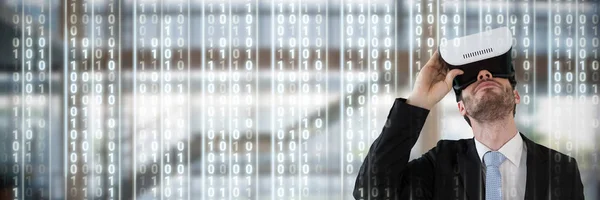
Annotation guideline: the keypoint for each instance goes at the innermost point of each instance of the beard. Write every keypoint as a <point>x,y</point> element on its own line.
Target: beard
<point>491,106</point>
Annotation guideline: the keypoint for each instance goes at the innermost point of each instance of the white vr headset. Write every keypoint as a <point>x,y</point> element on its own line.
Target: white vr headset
<point>488,50</point>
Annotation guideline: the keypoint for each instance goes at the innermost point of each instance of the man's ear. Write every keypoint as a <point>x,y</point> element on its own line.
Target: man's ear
<point>517,96</point>
<point>461,108</point>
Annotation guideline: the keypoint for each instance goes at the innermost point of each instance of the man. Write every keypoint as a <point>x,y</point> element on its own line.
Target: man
<point>498,163</point>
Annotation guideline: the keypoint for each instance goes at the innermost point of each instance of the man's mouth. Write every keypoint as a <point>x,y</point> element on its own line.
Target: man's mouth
<point>485,84</point>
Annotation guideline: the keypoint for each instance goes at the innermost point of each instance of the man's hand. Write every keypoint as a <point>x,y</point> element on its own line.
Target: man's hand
<point>433,83</point>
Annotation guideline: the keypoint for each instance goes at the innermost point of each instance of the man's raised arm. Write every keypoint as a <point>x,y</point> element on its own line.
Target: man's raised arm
<point>386,170</point>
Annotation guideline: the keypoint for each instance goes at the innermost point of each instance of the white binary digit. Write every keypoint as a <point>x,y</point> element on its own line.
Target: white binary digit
<point>523,54</point>
<point>113,100</point>
<point>451,25</point>
<point>243,108</point>
<point>79,68</point>
<point>28,108</point>
<point>355,84</point>
<point>218,86</point>
<point>15,138</point>
<point>286,115</point>
<point>594,73</point>
<point>148,133</point>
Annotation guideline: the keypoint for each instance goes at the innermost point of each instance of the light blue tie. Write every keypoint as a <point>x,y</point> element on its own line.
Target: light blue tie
<point>493,179</point>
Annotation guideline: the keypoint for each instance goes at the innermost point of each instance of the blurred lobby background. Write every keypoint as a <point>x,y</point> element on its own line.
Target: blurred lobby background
<point>249,99</point>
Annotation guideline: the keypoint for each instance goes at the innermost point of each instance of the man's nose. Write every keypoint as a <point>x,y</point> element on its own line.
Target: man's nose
<point>484,74</point>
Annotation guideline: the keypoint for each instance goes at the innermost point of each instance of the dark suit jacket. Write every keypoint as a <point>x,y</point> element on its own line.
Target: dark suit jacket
<point>452,169</point>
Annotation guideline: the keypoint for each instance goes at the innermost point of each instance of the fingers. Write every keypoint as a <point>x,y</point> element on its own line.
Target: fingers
<point>451,75</point>
<point>434,60</point>
<point>432,70</point>
<point>438,65</point>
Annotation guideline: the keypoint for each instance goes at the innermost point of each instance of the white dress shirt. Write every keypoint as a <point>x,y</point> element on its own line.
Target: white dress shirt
<point>513,170</point>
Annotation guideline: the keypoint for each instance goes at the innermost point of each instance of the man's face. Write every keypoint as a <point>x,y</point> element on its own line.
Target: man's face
<point>489,99</point>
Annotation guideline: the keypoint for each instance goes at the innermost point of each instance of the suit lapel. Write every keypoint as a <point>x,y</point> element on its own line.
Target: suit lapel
<point>537,171</point>
<point>470,169</point>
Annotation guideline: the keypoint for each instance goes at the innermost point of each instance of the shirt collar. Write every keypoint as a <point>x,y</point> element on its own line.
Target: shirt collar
<point>512,150</point>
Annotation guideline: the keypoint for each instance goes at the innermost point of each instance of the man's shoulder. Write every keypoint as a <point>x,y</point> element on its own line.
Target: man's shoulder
<point>549,154</point>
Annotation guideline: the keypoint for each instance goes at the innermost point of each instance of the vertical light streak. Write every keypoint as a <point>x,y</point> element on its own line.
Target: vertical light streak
<point>120,174</point>
<point>326,53</point>
<point>22,100</point>
<point>549,70</point>
<point>230,102</point>
<point>189,110</point>
<point>93,107</point>
<point>256,73</point>
<point>161,104</point>
<point>134,133</point>
<point>50,65</point>
<point>203,100</point>
<point>534,52</point>
<point>273,98</point>
<point>411,33</point>
<point>65,99</point>
<point>299,104</point>
<point>342,66</point>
